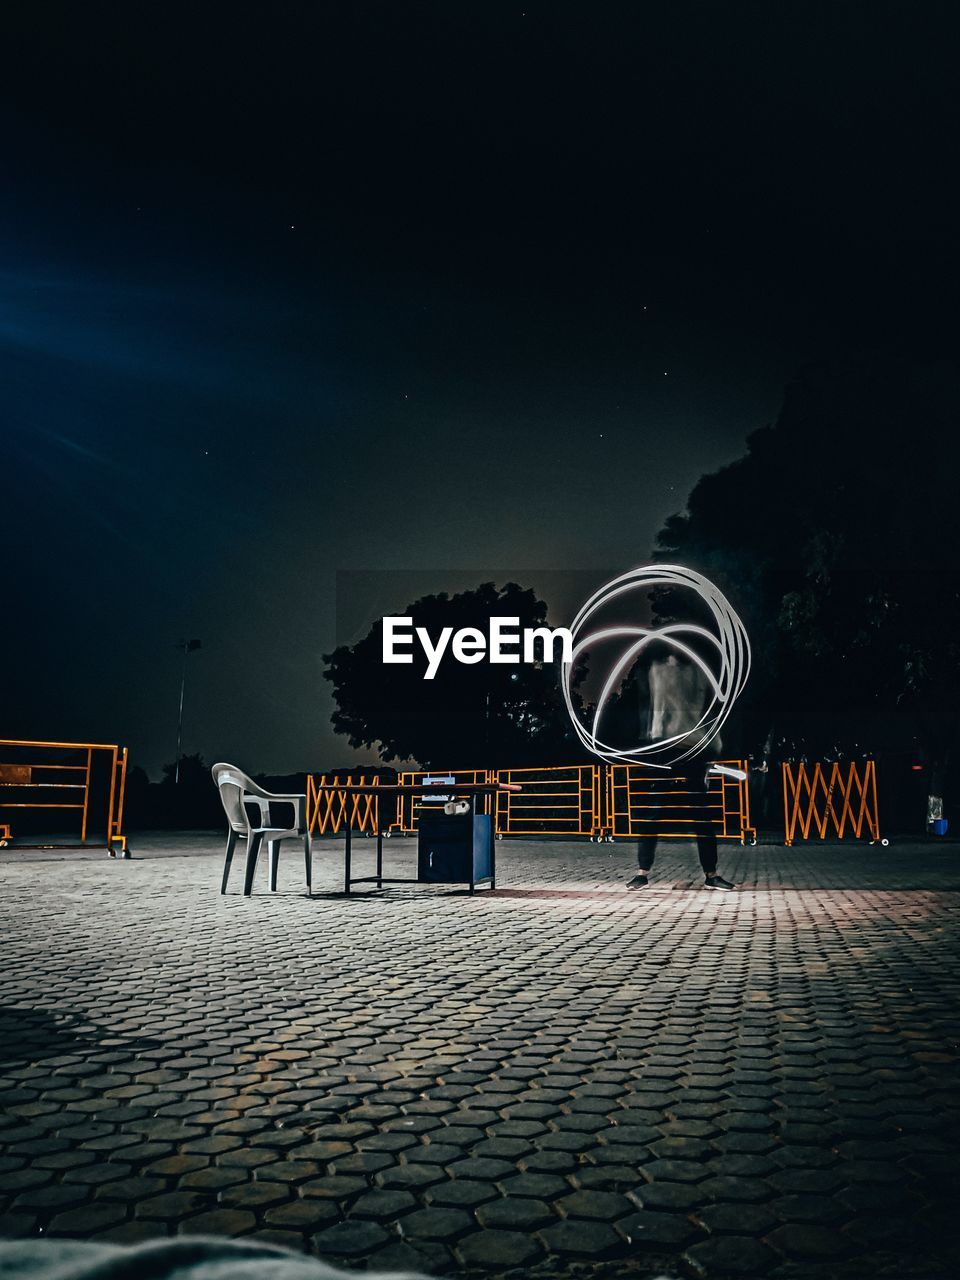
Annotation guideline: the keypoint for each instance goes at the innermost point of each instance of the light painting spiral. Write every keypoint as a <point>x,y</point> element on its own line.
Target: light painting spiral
<point>725,677</point>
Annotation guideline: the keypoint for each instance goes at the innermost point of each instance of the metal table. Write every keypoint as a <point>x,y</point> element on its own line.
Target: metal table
<point>468,790</point>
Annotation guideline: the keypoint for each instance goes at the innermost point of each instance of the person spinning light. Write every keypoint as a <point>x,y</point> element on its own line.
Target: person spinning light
<point>674,689</point>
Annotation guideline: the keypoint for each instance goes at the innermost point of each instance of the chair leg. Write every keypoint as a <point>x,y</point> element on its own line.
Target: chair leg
<point>231,845</point>
<point>254,841</point>
<point>273,861</point>
<point>308,861</point>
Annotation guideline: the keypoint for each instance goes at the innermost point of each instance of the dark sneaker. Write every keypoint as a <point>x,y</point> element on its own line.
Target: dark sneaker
<point>717,882</point>
<point>638,882</point>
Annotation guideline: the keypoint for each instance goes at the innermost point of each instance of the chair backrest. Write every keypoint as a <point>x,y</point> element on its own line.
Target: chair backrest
<point>232,783</point>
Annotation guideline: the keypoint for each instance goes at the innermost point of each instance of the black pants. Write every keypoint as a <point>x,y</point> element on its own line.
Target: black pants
<point>694,801</point>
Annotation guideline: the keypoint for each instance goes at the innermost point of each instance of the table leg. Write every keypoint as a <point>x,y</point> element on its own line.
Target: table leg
<point>347,852</point>
<point>493,854</point>
<point>379,857</point>
<point>473,815</point>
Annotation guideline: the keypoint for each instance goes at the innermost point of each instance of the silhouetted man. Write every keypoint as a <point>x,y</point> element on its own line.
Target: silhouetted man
<point>686,796</point>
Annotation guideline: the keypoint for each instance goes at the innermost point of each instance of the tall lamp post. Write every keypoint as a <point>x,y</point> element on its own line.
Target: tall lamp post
<point>187,646</point>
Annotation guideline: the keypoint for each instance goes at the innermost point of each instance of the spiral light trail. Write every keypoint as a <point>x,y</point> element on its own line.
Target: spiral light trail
<point>725,678</point>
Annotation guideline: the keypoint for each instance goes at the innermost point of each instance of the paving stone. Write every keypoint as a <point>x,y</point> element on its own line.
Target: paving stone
<point>662,1232</point>
<point>291,1172</point>
<point>873,1198</point>
<point>218,1222</point>
<point>173,1205</point>
<point>681,1149</point>
<point>89,1220</point>
<point>212,1179</point>
<point>581,1238</point>
<point>95,1175</point>
<point>734,1188</point>
<point>13,1226</point>
<point>246,1158</point>
<point>728,1255</point>
<point>575,1142</point>
<point>173,1166</point>
<point>805,1241</point>
<point>580,1123</point>
<point>23,1179</point>
<point>462,1192</point>
<point>131,1189</point>
<point>900,1231</point>
<point>435,1224</point>
<point>49,1199</point>
<point>603,1205</point>
<point>737,1219</point>
<point>604,1177</point>
<point>515,1213</point>
<point>268,1235</point>
<point>382,1206</point>
<point>809,1208</point>
<point>480,1169</point>
<point>676,1171</point>
<point>548,1162</point>
<point>497,1249</point>
<point>336,1188</point>
<point>254,1195</point>
<point>502,1148</point>
<point>323,1151</point>
<point>302,1215</point>
<point>351,1239</point>
<point>404,1257</point>
<point>131,1233</point>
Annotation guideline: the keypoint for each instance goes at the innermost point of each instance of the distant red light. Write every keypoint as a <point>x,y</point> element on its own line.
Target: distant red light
<point>916,768</point>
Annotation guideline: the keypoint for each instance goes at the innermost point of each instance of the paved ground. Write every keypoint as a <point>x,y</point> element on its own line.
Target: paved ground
<point>562,1078</point>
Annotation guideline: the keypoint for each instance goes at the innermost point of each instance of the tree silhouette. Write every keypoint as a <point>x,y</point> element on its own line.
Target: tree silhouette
<point>484,715</point>
<point>835,537</point>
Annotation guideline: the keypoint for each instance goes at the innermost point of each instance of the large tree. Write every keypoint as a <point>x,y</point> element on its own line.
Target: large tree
<point>479,716</point>
<point>837,535</point>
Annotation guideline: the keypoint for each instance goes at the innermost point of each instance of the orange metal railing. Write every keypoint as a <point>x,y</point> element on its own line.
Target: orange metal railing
<point>830,799</point>
<point>597,801</point>
<point>562,800</point>
<point>646,802</point>
<point>328,808</point>
<point>408,807</point>
<point>59,777</point>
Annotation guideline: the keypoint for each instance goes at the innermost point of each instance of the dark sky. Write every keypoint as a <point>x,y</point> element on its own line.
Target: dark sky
<point>441,291</point>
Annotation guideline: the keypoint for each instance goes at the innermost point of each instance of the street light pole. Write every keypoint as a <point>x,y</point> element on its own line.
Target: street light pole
<point>187,646</point>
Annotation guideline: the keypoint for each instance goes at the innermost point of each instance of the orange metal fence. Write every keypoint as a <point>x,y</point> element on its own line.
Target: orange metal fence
<point>558,801</point>
<point>59,777</point>
<point>597,801</point>
<point>830,800</point>
<point>647,802</point>
<point>620,801</point>
<point>408,807</point>
<point>328,807</point>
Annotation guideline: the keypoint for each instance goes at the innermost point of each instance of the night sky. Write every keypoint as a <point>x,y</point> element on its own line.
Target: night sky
<point>440,292</point>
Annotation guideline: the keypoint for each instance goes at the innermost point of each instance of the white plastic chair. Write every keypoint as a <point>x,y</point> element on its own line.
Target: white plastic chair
<point>256,815</point>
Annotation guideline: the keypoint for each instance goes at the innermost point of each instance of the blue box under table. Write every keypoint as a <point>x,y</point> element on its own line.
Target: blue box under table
<point>455,848</point>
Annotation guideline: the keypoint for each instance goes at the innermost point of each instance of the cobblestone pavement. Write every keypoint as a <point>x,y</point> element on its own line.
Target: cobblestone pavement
<point>561,1078</point>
